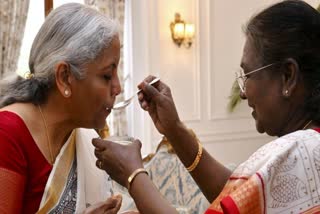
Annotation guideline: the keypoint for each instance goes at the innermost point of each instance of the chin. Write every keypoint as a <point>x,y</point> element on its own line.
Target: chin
<point>100,125</point>
<point>259,127</point>
<point>262,130</point>
<point>96,124</point>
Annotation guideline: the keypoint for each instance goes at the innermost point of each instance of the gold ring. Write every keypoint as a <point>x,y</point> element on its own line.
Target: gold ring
<point>100,164</point>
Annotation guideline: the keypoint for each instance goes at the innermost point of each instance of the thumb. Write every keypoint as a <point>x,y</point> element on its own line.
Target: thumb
<point>149,90</point>
<point>99,143</point>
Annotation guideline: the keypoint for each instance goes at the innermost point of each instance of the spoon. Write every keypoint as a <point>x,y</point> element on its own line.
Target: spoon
<point>126,102</point>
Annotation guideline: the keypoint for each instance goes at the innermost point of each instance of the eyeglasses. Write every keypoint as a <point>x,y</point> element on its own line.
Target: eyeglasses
<point>241,77</point>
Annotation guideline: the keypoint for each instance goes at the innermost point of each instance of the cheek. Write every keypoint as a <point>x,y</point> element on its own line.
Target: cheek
<point>259,91</point>
<point>103,95</point>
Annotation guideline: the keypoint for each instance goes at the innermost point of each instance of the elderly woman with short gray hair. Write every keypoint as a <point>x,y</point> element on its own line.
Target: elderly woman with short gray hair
<point>46,161</point>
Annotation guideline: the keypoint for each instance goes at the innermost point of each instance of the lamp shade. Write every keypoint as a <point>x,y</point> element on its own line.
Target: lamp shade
<point>189,31</point>
<point>179,31</point>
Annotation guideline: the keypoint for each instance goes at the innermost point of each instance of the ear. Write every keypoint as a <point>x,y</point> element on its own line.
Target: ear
<point>290,76</point>
<point>63,78</point>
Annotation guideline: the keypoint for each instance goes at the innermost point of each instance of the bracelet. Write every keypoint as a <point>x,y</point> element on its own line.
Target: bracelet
<point>134,174</point>
<point>196,160</point>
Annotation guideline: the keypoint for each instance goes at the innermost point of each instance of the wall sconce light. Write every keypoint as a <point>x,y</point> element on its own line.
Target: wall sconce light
<point>181,32</point>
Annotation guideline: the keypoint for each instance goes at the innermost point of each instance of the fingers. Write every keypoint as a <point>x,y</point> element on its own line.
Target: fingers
<point>148,93</point>
<point>148,89</point>
<point>99,164</point>
<point>114,208</point>
<point>138,143</point>
<point>148,79</point>
<point>130,212</point>
<point>99,144</point>
<point>151,95</point>
<point>110,206</point>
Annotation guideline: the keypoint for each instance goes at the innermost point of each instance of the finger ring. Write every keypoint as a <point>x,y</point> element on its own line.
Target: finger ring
<point>100,164</point>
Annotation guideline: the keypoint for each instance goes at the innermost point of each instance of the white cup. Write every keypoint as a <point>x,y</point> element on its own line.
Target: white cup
<point>125,140</point>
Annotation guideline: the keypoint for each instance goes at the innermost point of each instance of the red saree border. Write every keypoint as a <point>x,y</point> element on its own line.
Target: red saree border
<point>263,192</point>
<point>229,206</point>
<point>210,211</point>
<point>313,210</point>
<point>237,178</point>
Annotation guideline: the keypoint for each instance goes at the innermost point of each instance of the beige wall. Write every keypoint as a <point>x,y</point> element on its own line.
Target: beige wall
<point>200,77</point>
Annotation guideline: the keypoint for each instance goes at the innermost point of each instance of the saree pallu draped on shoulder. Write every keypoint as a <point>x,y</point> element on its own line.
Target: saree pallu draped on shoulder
<point>283,176</point>
<point>59,176</point>
<point>240,195</point>
<point>75,182</point>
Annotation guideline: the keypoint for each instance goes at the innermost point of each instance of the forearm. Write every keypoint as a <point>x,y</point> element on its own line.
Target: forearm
<point>210,175</point>
<point>147,197</point>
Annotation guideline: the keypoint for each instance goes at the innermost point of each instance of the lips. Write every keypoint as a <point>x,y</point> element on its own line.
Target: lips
<point>108,109</point>
<point>253,114</point>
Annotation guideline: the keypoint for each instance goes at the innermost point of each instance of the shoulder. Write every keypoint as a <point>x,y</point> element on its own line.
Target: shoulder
<point>291,141</point>
<point>298,139</point>
<point>12,130</point>
<point>289,154</point>
<point>280,149</point>
<point>12,126</point>
<point>291,174</point>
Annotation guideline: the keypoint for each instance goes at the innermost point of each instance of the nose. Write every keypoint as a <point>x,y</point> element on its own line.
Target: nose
<point>243,95</point>
<point>116,86</point>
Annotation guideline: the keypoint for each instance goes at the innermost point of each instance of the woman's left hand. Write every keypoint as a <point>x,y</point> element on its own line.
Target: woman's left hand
<point>110,206</point>
<point>118,160</point>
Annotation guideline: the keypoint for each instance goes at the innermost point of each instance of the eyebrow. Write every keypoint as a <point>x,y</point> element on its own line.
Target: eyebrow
<point>106,67</point>
<point>242,67</point>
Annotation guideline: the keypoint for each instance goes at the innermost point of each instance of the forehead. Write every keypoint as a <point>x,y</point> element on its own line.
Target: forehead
<point>110,53</point>
<point>249,58</point>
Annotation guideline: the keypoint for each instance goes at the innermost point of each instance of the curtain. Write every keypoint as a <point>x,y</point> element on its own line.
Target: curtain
<point>115,9</point>
<point>13,16</point>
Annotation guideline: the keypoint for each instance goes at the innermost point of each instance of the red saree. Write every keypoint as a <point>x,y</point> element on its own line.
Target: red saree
<point>24,170</point>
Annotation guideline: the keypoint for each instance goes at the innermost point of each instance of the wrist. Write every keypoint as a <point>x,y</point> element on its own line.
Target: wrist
<point>133,176</point>
<point>174,132</point>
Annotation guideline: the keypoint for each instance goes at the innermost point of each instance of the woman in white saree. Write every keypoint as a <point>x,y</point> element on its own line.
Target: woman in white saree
<point>280,79</point>
<point>46,162</point>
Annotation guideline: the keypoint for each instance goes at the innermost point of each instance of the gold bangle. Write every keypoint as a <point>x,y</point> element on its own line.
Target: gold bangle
<point>134,174</point>
<point>196,160</point>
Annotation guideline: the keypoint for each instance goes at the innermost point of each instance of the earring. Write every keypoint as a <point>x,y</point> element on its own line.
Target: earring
<point>67,92</point>
<point>286,93</point>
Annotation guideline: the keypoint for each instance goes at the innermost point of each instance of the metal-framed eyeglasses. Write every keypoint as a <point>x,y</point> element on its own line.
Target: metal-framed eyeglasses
<point>241,77</point>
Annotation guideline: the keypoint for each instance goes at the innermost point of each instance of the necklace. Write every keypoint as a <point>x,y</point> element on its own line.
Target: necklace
<point>305,126</point>
<point>47,134</point>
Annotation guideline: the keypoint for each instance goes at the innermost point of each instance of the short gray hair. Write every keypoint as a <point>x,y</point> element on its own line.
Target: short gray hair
<point>73,33</point>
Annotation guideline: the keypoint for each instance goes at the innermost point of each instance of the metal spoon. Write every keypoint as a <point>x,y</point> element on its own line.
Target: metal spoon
<point>126,102</point>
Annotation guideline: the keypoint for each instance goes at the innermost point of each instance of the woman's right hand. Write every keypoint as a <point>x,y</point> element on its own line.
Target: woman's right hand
<point>119,161</point>
<point>158,101</point>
